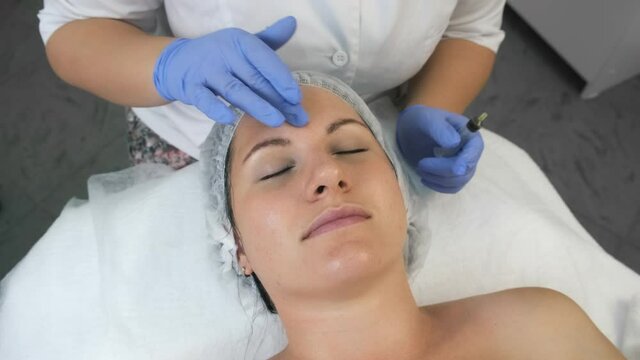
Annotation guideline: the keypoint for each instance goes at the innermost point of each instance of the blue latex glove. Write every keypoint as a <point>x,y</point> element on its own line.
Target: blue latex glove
<point>420,129</point>
<point>240,67</point>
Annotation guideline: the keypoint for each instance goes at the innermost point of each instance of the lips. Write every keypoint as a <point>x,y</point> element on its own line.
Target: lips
<point>334,218</point>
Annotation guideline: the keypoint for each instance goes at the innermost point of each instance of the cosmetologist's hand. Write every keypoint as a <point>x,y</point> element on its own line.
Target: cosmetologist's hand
<point>420,130</point>
<point>241,67</point>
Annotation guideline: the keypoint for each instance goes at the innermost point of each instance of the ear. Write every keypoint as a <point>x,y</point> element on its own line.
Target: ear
<point>243,261</point>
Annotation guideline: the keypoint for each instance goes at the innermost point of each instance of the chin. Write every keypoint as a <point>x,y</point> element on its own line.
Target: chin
<point>354,262</point>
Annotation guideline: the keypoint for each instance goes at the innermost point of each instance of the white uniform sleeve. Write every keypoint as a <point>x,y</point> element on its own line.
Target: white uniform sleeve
<point>478,21</point>
<point>140,13</point>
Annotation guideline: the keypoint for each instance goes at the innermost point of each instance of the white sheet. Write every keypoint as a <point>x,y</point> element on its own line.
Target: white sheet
<point>132,276</point>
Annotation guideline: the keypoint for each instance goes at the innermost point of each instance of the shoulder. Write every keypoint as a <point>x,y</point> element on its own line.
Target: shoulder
<point>542,322</point>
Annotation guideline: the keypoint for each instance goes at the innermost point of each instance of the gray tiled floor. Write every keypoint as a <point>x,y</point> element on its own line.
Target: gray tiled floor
<point>53,136</point>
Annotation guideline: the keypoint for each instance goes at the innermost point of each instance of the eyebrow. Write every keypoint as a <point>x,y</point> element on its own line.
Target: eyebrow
<point>340,122</point>
<point>280,141</point>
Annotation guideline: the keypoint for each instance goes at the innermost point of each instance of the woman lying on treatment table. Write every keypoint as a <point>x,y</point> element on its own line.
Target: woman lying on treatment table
<point>320,225</point>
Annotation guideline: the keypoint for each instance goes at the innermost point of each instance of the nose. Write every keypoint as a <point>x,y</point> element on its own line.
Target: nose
<point>326,179</point>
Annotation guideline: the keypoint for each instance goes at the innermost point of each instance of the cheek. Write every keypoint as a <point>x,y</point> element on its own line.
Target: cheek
<point>385,192</point>
<point>261,220</point>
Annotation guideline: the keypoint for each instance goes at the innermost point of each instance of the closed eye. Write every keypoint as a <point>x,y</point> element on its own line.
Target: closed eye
<point>354,151</point>
<point>279,172</point>
<point>284,170</point>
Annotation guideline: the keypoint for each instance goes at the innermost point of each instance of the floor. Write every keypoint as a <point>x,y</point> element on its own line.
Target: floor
<point>53,136</point>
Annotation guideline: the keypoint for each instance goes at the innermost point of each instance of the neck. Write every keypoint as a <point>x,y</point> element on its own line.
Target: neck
<point>382,322</point>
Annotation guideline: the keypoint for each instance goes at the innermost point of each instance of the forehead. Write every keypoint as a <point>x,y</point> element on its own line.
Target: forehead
<point>322,106</point>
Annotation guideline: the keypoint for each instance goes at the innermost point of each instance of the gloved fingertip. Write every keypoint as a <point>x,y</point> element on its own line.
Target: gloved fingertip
<point>457,119</point>
<point>278,33</point>
<point>432,163</point>
<point>455,137</point>
<point>292,95</point>
<point>219,113</point>
<point>451,138</point>
<point>424,165</point>
<point>298,119</point>
<point>459,168</point>
<point>289,20</point>
<point>275,120</point>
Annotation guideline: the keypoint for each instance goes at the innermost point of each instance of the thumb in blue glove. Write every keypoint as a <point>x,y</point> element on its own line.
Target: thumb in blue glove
<point>420,130</point>
<point>237,66</point>
<point>278,33</point>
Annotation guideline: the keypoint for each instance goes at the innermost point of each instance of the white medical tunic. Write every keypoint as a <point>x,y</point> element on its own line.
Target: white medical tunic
<point>372,45</point>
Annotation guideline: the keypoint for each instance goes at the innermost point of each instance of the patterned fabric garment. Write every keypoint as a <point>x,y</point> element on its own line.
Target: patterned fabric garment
<point>145,146</point>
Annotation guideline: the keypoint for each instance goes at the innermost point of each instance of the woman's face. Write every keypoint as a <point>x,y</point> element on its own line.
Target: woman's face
<point>286,182</point>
